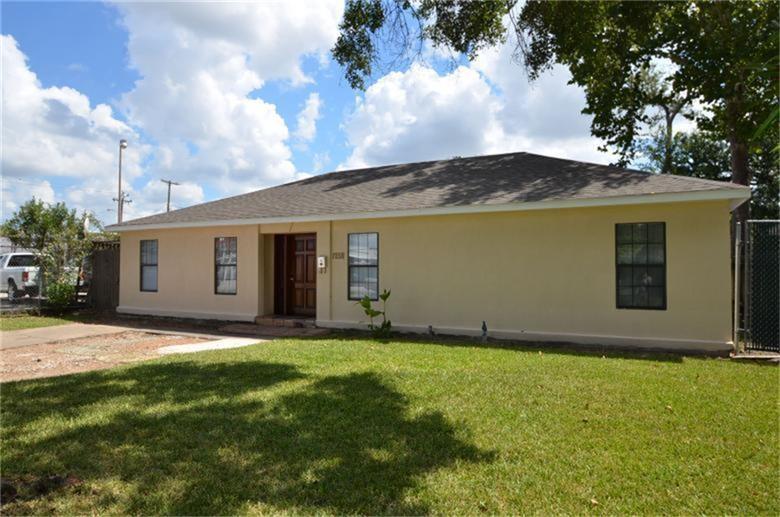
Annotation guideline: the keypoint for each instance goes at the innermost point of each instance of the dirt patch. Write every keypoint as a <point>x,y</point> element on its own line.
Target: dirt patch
<point>84,354</point>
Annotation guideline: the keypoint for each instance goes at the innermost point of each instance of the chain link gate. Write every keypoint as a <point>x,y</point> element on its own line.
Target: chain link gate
<point>757,286</point>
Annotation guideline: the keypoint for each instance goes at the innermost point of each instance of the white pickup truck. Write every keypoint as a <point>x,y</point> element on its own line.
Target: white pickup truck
<point>18,275</point>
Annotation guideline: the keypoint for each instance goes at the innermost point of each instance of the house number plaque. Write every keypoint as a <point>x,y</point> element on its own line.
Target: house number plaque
<point>338,255</point>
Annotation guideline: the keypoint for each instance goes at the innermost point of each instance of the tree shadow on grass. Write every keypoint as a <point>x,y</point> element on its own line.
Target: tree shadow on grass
<point>212,439</point>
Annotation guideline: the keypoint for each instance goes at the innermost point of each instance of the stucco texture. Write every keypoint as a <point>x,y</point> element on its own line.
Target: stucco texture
<point>540,275</point>
<point>185,282</point>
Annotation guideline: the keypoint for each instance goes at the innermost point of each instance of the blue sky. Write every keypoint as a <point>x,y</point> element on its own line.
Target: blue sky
<point>229,98</point>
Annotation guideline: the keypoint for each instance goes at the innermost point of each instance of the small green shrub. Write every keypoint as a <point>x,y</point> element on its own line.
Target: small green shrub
<point>383,329</point>
<point>60,294</point>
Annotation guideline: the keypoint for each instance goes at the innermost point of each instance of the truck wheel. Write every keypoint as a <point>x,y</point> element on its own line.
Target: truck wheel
<point>12,292</point>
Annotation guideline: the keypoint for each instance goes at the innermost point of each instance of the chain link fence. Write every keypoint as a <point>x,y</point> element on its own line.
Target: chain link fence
<point>757,276</point>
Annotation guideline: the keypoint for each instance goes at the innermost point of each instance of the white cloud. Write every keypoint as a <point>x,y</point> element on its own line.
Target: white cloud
<point>54,132</point>
<point>307,118</point>
<point>487,107</point>
<point>420,115</point>
<point>201,66</point>
<point>16,191</point>
<point>320,161</point>
<point>151,198</point>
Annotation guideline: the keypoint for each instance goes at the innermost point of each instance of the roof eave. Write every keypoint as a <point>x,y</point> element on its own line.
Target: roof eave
<point>736,196</point>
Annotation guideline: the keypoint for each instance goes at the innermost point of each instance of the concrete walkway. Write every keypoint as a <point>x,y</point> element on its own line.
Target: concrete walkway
<point>220,344</point>
<point>40,336</point>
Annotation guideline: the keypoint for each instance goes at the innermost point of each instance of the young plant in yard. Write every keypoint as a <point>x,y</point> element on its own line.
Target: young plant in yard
<point>60,295</point>
<point>383,329</point>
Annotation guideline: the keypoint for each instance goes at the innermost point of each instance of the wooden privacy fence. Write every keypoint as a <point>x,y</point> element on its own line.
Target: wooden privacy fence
<point>103,292</point>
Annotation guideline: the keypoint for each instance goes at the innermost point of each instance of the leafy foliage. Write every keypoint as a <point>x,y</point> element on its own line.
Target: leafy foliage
<point>355,48</point>
<point>383,329</point>
<point>398,26</point>
<point>701,154</point>
<point>722,55</point>
<point>60,294</point>
<point>465,27</point>
<point>55,234</point>
<point>668,106</point>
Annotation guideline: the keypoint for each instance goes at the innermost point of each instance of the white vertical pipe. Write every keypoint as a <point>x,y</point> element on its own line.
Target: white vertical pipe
<point>737,244</point>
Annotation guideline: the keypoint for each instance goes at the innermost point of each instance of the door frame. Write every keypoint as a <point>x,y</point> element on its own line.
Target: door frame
<point>284,266</point>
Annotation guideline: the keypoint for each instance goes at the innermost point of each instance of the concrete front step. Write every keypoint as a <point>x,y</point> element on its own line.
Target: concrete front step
<point>282,321</point>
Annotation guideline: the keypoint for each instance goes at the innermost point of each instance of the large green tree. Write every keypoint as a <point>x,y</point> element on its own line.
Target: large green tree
<point>666,107</point>
<point>721,55</point>
<point>55,234</point>
<point>374,31</point>
<point>700,154</point>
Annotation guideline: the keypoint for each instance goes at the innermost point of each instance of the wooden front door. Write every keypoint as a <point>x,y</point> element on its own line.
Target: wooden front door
<point>303,273</point>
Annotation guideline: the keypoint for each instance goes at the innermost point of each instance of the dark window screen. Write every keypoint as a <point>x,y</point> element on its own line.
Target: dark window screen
<point>641,265</point>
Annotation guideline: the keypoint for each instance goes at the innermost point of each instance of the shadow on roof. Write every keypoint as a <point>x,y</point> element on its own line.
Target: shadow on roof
<point>505,178</point>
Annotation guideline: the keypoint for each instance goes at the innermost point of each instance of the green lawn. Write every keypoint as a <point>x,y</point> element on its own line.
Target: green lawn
<point>352,426</point>
<point>19,322</point>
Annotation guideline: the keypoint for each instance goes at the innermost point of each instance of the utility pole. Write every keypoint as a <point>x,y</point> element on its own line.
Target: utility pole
<point>168,203</point>
<point>125,199</point>
<point>120,198</point>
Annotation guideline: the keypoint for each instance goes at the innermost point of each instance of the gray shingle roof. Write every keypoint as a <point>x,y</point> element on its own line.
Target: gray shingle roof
<point>480,180</point>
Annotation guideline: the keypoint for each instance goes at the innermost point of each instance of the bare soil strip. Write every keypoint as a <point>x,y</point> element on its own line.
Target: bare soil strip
<point>84,354</point>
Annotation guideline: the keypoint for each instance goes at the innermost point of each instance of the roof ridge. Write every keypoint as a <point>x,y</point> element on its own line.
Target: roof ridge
<point>514,177</point>
<point>325,174</point>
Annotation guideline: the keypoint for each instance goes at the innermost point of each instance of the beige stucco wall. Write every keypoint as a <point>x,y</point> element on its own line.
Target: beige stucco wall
<point>186,274</point>
<point>547,274</point>
<point>543,274</point>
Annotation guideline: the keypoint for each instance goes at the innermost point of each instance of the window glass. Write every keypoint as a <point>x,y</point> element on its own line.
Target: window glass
<point>640,257</point>
<point>655,233</point>
<point>363,266</point>
<point>149,278</point>
<point>624,234</point>
<point>21,261</point>
<point>149,265</point>
<point>655,253</point>
<point>226,265</point>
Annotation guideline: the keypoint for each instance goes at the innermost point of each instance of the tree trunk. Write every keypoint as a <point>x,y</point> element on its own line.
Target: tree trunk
<point>671,110</point>
<point>668,142</point>
<point>740,173</point>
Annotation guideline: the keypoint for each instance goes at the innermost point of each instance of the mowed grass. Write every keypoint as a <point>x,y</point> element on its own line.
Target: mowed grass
<point>347,426</point>
<point>19,322</point>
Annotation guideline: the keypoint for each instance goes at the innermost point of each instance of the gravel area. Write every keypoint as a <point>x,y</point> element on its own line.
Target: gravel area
<point>84,354</point>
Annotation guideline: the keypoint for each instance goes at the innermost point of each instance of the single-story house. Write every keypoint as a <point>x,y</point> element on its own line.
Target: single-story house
<point>538,248</point>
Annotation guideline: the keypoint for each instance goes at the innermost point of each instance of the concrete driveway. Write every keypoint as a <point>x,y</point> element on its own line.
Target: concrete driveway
<point>39,336</point>
<point>81,347</point>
